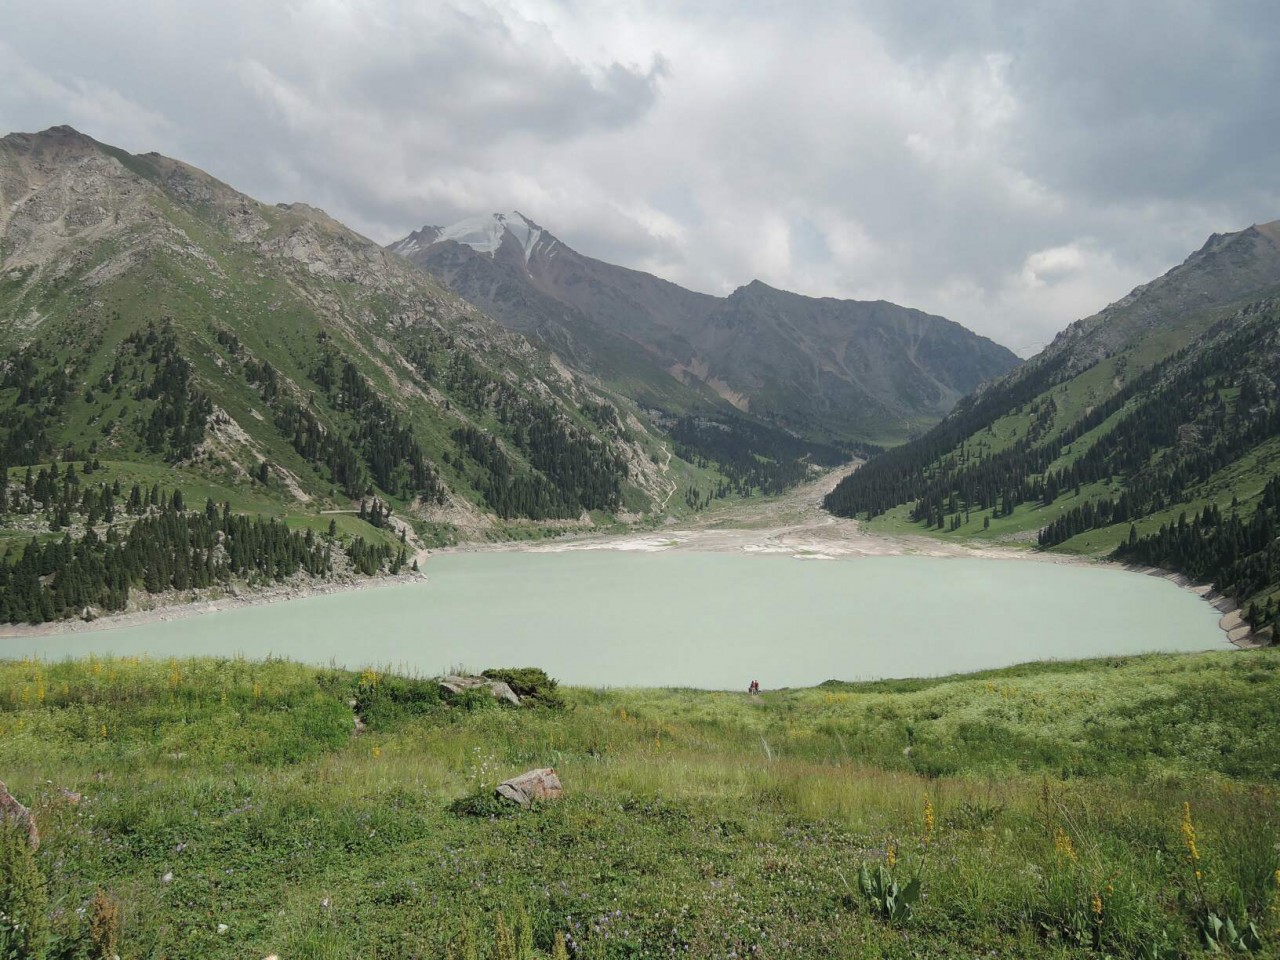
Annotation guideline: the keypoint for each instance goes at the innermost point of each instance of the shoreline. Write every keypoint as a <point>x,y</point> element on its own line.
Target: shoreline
<point>794,525</point>
<point>182,610</point>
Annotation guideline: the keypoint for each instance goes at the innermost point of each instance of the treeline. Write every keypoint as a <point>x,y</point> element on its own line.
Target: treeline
<point>507,492</point>
<point>1182,432</point>
<point>387,445</point>
<point>1240,557</point>
<point>569,468</point>
<point>971,480</point>
<point>33,390</point>
<point>753,458</point>
<point>166,550</point>
<point>1162,436</point>
<point>59,494</point>
<point>167,547</point>
<point>377,450</point>
<point>180,412</point>
<point>919,470</point>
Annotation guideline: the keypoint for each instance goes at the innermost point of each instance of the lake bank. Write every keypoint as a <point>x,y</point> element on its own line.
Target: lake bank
<point>794,526</point>
<point>688,618</point>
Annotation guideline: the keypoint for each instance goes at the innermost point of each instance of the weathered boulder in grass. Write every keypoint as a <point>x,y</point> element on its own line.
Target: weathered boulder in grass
<point>500,689</point>
<point>534,785</point>
<point>531,684</point>
<point>11,811</point>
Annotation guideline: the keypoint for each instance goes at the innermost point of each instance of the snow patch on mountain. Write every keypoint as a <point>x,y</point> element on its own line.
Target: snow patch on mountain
<point>484,234</point>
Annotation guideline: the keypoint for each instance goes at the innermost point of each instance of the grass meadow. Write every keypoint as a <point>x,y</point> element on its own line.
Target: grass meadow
<point>228,808</point>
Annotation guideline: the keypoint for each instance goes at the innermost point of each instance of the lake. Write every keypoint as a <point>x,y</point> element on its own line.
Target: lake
<point>684,618</point>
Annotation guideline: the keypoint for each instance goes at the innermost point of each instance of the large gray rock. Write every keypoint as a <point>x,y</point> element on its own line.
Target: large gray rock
<point>499,689</point>
<point>534,785</point>
<point>12,811</point>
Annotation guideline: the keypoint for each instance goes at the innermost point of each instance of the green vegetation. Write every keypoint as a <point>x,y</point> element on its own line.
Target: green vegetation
<point>149,540</point>
<point>1191,435</point>
<point>1121,807</point>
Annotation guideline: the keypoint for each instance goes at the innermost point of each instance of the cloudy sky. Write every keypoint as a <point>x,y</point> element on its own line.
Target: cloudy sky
<point>1013,165</point>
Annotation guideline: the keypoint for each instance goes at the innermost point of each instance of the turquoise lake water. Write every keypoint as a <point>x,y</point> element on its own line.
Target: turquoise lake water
<point>683,618</point>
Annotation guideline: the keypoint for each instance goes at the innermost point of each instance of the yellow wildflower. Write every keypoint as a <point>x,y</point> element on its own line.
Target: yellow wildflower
<point>1096,904</point>
<point>1063,847</point>
<point>1188,830</point>
<point>891,854</point>
<point>928,819</point>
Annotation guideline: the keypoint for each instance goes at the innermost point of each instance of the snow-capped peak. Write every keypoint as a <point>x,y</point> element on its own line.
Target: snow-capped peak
<point>484,234</point>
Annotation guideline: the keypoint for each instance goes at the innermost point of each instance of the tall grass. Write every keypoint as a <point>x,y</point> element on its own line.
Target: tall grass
<point>1042,808</point>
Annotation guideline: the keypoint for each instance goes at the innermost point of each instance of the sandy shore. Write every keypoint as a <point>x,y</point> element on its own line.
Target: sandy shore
<point>794,525</point>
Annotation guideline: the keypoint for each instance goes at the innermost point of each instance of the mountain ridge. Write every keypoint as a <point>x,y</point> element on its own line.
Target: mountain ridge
<point>1149,431</point>
<point>96,243</point>
<point>797,379</point>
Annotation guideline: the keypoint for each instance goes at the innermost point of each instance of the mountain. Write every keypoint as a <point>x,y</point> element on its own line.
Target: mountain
<point>164,330</point>
<point>832,370</point>
<point>1150,431</point>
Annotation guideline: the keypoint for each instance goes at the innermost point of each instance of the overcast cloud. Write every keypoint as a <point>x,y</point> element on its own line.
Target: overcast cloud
<point>1013,166</point>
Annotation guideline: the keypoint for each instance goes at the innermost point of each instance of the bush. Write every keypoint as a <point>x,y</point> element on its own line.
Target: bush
<point>483,803</point>
<point>104,927</point>
<point>24,925</point>
<point>530,684</point>
<point>385,699</point>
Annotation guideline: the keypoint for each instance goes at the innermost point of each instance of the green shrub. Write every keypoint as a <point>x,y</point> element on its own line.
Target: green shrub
<point>104,927</point>
<point>530,684</point>
<point>482,803</point>
<point>24,925</point>
<point>385,699</point>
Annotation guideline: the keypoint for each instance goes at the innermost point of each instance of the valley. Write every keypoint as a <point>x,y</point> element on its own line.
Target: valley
<point>639,481</point>
<point>264,480</point>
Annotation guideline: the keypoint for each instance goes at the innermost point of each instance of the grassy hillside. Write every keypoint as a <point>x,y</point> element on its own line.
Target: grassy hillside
<point>158,323</point>
<point>1163,406</point>
<point>226,809</point>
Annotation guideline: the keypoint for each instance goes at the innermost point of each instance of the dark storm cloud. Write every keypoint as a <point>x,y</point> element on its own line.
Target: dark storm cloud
<point>1012,165</point>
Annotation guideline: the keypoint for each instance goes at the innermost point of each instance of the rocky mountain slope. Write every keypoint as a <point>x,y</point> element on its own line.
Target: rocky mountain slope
<point>154,316</point>
<point>1150,430</point>
<point>833,370</point>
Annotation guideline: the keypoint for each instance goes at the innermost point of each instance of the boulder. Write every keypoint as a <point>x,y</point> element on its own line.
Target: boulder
<point>12,811</point>
<point>499,689</point>
<point>534,785</point>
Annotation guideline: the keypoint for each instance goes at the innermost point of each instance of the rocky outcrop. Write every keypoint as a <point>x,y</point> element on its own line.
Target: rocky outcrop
<point>499,689</point>
<point>11,811</point>
<point>533,785</point>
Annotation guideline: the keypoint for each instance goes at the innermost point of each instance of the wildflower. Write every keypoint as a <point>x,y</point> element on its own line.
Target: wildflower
<point>1096,905</point>
<point>1188,830</point>
<point>928,819</point>
<point>1063,847</point>
<point>891,854</point>
<point>377,752</point>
